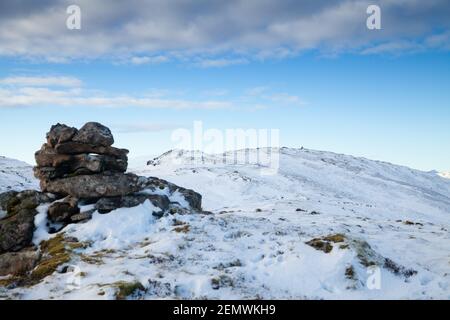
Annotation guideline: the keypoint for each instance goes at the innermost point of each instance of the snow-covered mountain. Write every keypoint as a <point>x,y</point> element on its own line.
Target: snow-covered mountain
<point>16,175</point>
<point>324,226</point>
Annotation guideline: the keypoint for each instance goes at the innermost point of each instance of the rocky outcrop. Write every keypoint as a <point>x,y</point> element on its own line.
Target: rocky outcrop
<point>18,263</point>
<point>105,205</point>
<point>78,168</point>
<point>95,186</point>
<point>16,229</point>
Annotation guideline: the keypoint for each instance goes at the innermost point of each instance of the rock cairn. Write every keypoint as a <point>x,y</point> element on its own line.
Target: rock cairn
<point>79,169</point>
<point>82,163</point>
<point>82,166</point>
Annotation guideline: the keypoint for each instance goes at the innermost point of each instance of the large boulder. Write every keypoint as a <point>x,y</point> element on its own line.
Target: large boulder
<point>105,205</point>
<point>193,198</point>
<point>16,229</point>
<point>18,263</point>
<point>16,232</point>
<point>61,211</point>
<point>60,133</point>
<point>94,133</point>
<point>5,198</point>
<point>95,185</point>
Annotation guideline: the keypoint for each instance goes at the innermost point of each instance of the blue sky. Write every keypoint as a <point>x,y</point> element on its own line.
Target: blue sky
<point>384,97</point>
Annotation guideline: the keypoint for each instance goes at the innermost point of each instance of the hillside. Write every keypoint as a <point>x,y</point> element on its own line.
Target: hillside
<point>325,226</point>
<point>16,175</point>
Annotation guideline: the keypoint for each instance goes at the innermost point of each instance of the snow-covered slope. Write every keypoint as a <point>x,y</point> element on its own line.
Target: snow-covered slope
<point>403,214</point>
<point>387,227</point>
<point>445,174</point>
<point>16,175</point>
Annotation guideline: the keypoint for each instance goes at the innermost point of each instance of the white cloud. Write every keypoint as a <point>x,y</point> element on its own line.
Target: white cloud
<point>26,91</point>
<point>265,93</point>
<point>41,91</point>
<point>42,81</point>
<point>149,60</point>
<point>219,63</point>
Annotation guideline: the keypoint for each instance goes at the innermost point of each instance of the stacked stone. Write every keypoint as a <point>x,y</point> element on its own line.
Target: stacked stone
<point>70,153</point>
<point>82,165</point>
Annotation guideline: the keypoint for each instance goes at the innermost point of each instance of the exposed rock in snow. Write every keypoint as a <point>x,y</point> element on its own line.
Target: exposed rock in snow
<point>325,226</point>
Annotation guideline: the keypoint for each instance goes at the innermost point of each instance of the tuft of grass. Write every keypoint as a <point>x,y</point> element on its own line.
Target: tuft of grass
<point>350,273</point>
<point>336,238</point>
<point>325,243</point>
<point>321,245</point>
<point>126,289</point>
<point>221,281</point>
<point>183,229</point>
<point>55,252</point>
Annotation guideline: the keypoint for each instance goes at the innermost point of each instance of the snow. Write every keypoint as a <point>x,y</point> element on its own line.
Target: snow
<point>121,228</point>
<point>16,175</point>
<point>445,174</point>
<point>253,245</point>
<point>40,223</point>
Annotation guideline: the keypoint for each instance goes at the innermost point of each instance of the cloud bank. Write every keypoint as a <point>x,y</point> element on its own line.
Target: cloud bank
<point>155,31</point>
<point>66,91</point>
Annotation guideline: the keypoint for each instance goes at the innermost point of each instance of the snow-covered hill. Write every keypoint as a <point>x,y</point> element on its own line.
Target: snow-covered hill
<point>16,175</point>
<point>325,226</point>
<point>403,214</point>
<point>445,174</point>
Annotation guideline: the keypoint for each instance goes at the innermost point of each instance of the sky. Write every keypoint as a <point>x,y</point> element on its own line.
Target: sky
<point>311,69</point>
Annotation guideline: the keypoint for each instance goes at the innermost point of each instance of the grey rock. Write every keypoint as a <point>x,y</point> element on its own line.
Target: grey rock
<point>95,185</point>
<point>95,134</point>
<point>24,200</point>
<point>82,216</point>
<point>48,157</point>
<point>16,232</point>
<point>16,229</point>
<point>62,211</point>
<point>72,147</point>
<point>5,198</point>
<point>82,164</point>
<point>18,263</point>
<point>60,133</point>
<point>193,198</point>
<point>105,205</point>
